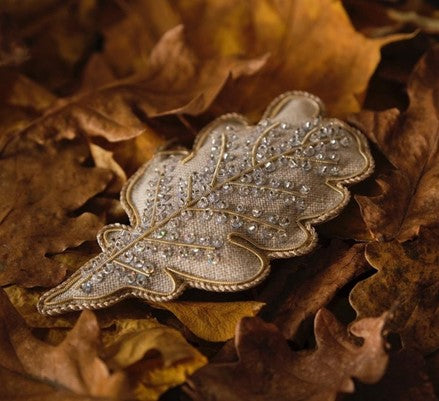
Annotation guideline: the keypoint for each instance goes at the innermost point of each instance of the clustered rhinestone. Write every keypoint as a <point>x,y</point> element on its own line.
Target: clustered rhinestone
<point>260,185</point>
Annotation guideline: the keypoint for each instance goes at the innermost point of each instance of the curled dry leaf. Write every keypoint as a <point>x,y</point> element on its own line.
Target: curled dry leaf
<point>212,321</point>
<point>407,283</point>
<point>43,181</point>
<point>406,379</point>
<point>73,365</point>
<point>316,283</point>
<point>155,357</point>
<point>409,193</point>
<point>296,34</point>
<point>175,81</point>
<point>268,369</point>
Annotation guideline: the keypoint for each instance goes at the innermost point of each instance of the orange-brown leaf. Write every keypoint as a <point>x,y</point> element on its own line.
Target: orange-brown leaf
<point>268,369</point>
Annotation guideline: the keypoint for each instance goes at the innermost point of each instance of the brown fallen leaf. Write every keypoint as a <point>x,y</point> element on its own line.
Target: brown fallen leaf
<point>406,379</point>
<point>212,321</point>
<point>22,101</point>
<point>155,357</point>
<point>312,44</point>
<point>176,81</point>
<point>44,179</point>
<point>409,193</point>
<point>104,159</point>
<point>41,185</point>
<point>73,365</point>
<point>407,283</point>
<point>316,283</point>
<point>268,370</point>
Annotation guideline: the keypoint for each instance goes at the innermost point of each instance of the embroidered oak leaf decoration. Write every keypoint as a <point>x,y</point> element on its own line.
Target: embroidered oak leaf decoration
<point>213,218</point>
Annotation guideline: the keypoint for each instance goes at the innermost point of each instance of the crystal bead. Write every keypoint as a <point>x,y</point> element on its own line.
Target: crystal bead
<point>130,278</point>
<point>273,218</point>
<point>270,167</point>
<point>161,234</point>
<point>186,214</point>
<point>141,279</point>
<point>212,258</point>
<point>203,202</point>
<point>227,188</point>
<point>274,183</point>
<point>139,246</point>
<point>240,208</point>
<point>127,256</point>
<point>304,189</point>
<point>205,240</point>
<point>334,157</point>
<point>108,268</point>
<point>207,214</point>
<point>217,242</point>
<point>221,205</point>
<point>148,268</point>
<point>221,218</point>
<point>252,228</point>
<point>289,200</point>
<point>335,170</point>
<point>246,178</point>
<point>333,143</point>
<point>236,222</point>
<point>345,141</point>
<point>97,278</point>
<point>309,151</point>
<point>323,170</point>
<point>119,271</point>
<point>138,264</point>
<point>284,222</point>
<point>306,165</point>
<point>284,125</point>
<point>87,287</point>
<point>195,252</point>
<point>288,185</point>
<point>244,191</point>
<point>257,213</point>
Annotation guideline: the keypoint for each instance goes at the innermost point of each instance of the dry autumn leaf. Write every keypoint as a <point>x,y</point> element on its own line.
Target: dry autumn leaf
<point>73,365</point>
<point>297,35</point>
<point>315,284</point>
<point>268,370</point>
<point>154,356</point>
<point>212,321</point>
<point>409,193</point>
<point>407,283</point>
<point>44,179</point>
<point>406,379</point>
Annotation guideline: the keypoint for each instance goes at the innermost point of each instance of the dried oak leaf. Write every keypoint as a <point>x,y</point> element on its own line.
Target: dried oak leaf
<point>211,321</point>
<point>406,379</point>
<point>407,283</point>
<point>44,179</point>
<point>155,357</point>
<point>410,140</point>
<point>312,44</point>
<point>175,81</point>
<point>316,283</point>
<point>268,369</point>
<point>72,368</point>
